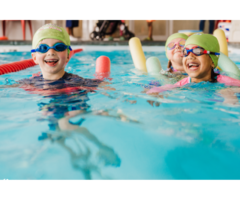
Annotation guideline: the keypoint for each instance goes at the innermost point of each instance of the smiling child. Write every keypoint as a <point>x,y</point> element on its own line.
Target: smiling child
<point>201,54</point>
<point>51,49</point>
<point>174,52</point>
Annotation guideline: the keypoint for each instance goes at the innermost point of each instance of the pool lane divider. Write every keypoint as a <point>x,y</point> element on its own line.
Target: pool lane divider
<point>24,64</point>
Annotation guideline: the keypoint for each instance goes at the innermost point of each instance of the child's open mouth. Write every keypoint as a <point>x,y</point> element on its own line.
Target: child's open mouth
<point>51,62</point>
<point>192,66</point>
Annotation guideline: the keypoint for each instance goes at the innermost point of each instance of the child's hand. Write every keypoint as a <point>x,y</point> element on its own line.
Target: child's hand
<point>131,101</point>
<point>155,94</point>
<point>37,74</point>
<point>108,157</point>
<point>103,85</point>
<point>108,88</point>
<point>157,104</point>
<point>9,86</point>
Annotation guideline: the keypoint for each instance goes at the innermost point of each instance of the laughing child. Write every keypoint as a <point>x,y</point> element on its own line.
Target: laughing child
<point>51,49</point>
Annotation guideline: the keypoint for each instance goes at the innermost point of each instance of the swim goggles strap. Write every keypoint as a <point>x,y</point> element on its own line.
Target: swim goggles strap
<point>209,52</point>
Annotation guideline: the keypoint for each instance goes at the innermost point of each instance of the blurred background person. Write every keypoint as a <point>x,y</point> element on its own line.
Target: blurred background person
<point>113,26</point>
<point>70,24</point>
<point>150,29</point>
<point>211,25</point>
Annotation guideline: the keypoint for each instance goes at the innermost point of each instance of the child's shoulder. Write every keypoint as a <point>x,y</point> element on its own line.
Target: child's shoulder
<point>85,81</point>
<point>71,76</point>
<point>228,80</point>
<point>31,80</point>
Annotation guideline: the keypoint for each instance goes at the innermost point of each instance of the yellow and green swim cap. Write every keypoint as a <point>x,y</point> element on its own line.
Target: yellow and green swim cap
<point>51,31</point>
<point>206,41</point>
<point>174,36</point>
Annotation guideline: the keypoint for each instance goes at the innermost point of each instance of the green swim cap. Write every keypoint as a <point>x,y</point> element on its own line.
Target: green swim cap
<point>51,31</point>
<point>206,41</point>
<point>174,36</point>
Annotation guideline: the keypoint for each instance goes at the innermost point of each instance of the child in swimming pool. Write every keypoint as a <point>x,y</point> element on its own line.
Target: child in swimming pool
<point>201,53</point>
<point>174,47</point>
<point>51,49</point>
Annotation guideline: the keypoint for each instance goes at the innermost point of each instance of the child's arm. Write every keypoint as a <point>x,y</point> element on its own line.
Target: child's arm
<point>157,90</point>
<point>9,86</point>
<point>18,83</point>
<point>152,103</point>
<point>229,95</point>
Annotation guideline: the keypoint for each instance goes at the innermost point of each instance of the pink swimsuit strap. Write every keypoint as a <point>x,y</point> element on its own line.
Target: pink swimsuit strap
<point>174,69</point>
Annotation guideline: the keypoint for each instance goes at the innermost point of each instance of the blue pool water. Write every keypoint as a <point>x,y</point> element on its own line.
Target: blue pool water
<point>189,133</point>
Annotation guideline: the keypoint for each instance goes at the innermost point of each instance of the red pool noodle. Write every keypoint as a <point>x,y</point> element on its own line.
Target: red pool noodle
<point>20,65</point>
<point>103,67</point>
<point>103,64</point>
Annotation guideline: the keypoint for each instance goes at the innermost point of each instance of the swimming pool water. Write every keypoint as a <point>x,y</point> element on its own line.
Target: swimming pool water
<point>188,133</point>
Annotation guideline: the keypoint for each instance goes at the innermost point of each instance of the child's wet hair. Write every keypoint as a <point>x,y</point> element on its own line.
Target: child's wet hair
<point>169,66</point>
<point>213,76</point>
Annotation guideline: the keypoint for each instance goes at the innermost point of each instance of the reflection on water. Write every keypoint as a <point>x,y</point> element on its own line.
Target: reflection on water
<point>78,141</point>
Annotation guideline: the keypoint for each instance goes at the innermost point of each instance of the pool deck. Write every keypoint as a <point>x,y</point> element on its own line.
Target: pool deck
<point>102,43</point>
<point>95,43</point>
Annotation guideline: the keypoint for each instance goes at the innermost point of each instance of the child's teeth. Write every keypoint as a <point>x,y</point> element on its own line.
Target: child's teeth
<point>192,65</point>
<point>51,61</point>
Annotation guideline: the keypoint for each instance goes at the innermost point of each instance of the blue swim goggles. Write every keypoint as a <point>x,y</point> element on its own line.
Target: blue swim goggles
<point>43,48</point>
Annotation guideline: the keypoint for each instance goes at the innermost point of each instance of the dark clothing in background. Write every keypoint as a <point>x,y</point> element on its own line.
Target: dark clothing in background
<point>70,23</point>
<point>211,25</point>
